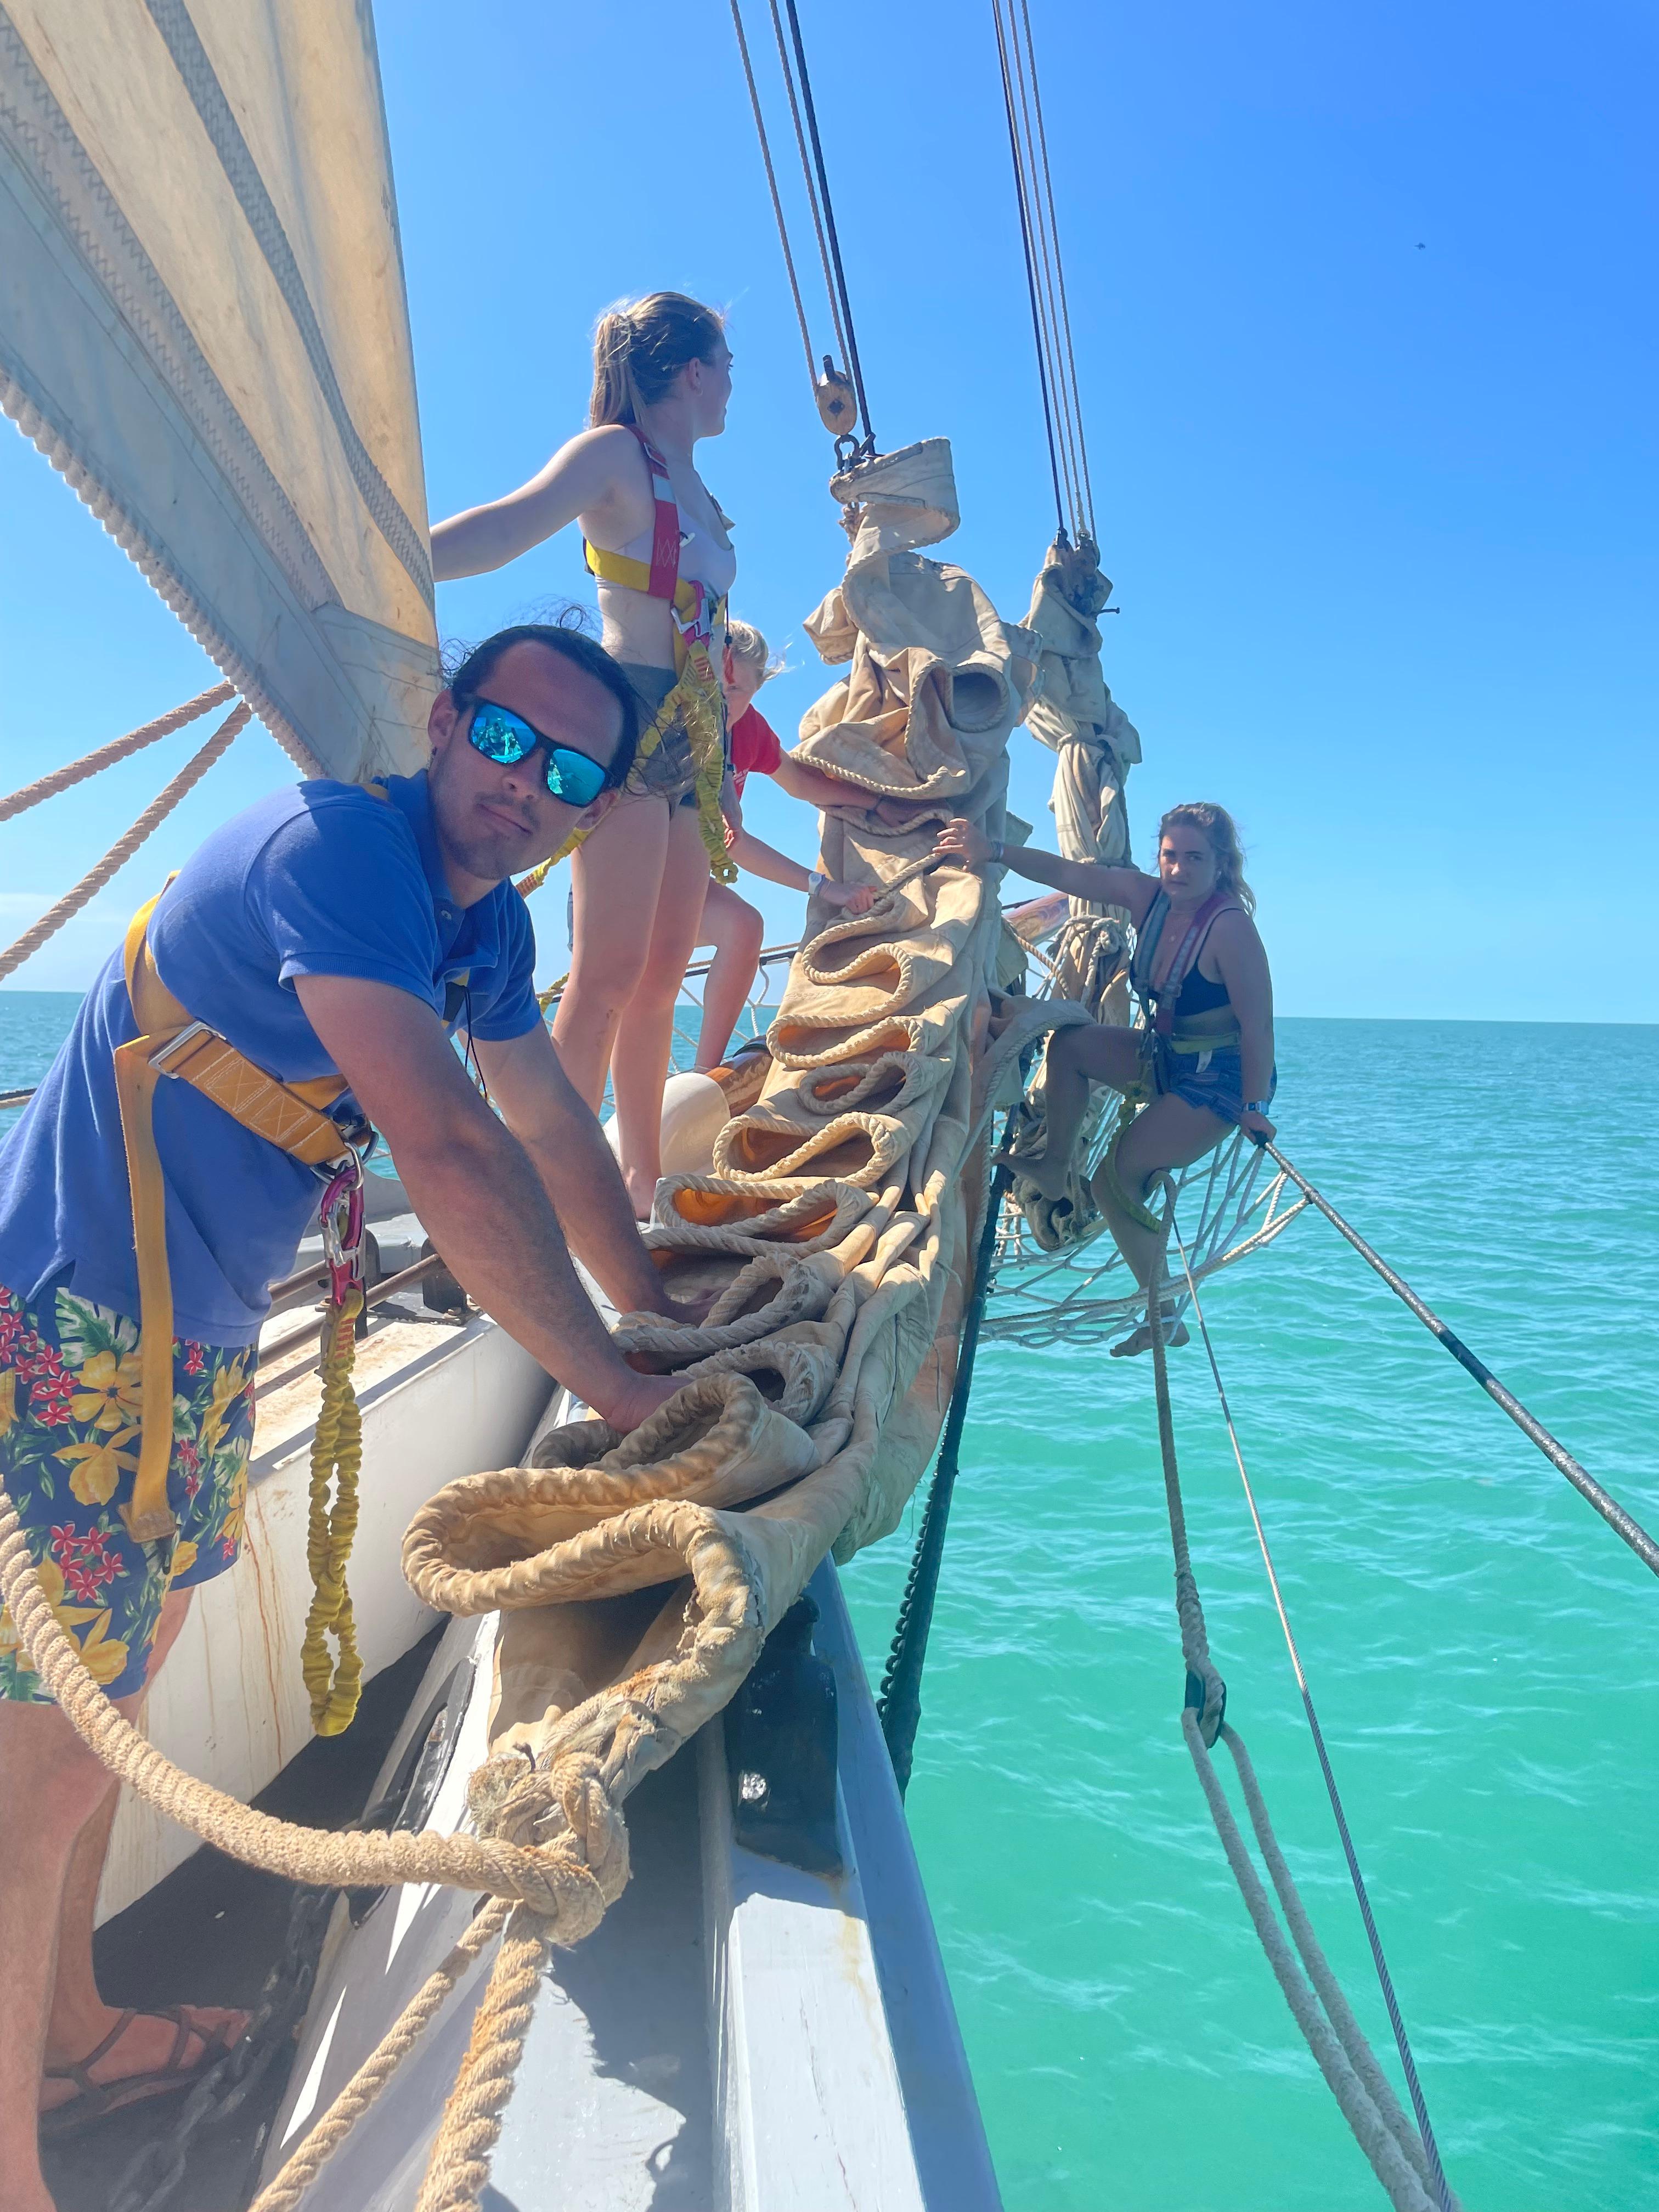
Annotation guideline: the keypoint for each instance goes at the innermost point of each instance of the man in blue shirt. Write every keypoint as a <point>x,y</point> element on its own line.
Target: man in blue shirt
<point>324,931</point>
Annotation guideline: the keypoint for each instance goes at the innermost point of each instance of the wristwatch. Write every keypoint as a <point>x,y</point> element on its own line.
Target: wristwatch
<point>1257,1105</point>
<point>815,880</point>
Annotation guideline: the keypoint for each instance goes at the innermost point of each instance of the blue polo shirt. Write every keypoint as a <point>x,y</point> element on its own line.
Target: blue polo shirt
<point>318,880</point>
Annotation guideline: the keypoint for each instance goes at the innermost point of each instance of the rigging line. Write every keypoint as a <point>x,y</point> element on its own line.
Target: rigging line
<point>1059,270</point>
<point>1040,221</point>
<point>1402,2042</point>
<point>1030,278</point>
<point>1045,225</point>
<point>1621,1522</point>
<point>772,186</point>
<point>807,175</point>
<point>830,220</point>
<point>898,1704</point>
<point>1019,124</point>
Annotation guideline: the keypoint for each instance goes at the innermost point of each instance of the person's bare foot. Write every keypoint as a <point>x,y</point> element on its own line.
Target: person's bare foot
<point>1035,1170</point>
<point>641,1192</point>
<point>145,2046</point>
<point>1175,1335</point>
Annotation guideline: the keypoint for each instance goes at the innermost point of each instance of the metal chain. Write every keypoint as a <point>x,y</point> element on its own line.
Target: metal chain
<point>151,2177</point>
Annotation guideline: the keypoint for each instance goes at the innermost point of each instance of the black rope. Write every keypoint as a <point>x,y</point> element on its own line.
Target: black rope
<point>830,224</point>
<point>899,1703</point>
<point>1030,271</point>
<point>1621,1522</point>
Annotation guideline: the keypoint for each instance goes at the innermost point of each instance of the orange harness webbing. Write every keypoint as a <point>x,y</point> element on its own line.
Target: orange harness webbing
<point>290,1116</point>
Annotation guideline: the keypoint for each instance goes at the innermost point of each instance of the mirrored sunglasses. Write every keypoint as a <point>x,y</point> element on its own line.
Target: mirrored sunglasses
<point>507,739</point>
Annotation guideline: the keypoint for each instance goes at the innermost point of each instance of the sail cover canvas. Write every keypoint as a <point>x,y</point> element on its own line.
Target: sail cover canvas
<point>203,326</point>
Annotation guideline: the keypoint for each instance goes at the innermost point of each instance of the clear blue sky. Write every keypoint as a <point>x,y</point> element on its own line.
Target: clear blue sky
<point>1365,329</point>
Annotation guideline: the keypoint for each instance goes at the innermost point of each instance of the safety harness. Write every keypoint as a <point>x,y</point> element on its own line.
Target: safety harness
<point>697,611</point>
<point>294,1116</point>
<point>1162,1029</point>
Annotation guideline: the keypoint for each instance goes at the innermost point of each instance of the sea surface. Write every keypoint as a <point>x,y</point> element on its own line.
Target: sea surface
<point>1480,1647</point>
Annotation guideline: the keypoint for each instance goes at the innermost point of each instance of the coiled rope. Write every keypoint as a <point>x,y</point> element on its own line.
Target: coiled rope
<point>1404,2159</point>
<point>123,849</point>
<point>549,1844</point>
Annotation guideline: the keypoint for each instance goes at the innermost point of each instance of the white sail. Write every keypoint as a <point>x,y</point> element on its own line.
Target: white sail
<point>203,325</point>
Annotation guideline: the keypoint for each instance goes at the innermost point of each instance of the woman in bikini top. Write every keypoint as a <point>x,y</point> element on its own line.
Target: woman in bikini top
<point>658,545</point>
<point>1206,1050</point>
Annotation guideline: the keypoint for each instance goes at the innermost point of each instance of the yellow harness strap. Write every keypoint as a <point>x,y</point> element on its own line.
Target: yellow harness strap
<point>696,698</point>
<point>287,1114</point>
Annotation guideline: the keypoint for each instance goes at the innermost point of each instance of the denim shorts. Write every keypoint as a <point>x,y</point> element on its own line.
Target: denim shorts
<point>68,1450</point>
<point>1212,1080</point>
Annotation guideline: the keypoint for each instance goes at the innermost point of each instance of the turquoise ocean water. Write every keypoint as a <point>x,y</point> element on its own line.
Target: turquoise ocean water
<point>1481,1649</point>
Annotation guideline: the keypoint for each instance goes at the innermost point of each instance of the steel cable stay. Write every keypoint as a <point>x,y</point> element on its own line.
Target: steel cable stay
<point>1622,1523</point>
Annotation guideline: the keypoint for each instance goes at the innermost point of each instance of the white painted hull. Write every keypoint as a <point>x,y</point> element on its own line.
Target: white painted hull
<point>230,1706</point>
<point>736,2033</point>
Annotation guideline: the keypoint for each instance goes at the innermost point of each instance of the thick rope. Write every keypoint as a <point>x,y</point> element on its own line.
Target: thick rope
<point>1375,2123</point>
<point>63,779</point>
<point>458,2166</point>
<point>1207,1693</point>
<point>123,850</point>
<point>327,2134</point>
<point>337,1458</point>
<point>565,1878</point>
<point>1402,2044</point>
<point>1370,2129</point>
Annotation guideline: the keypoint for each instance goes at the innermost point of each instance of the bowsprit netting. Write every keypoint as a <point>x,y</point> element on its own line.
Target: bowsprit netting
<point>1228,1206</point>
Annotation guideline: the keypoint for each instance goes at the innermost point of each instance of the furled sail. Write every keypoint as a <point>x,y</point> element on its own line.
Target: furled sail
<point>202,325</point>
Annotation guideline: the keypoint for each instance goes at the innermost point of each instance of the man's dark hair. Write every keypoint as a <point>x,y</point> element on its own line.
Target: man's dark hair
<point>468,676</point>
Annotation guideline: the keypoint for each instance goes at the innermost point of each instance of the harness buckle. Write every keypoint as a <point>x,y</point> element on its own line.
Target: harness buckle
<point>163,1053</point>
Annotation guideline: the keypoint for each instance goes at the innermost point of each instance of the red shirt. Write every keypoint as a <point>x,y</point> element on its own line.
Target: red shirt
<point>755,747</point>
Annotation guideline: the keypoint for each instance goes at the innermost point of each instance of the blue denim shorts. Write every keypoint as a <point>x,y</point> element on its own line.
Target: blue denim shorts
<point>1212,1080</point>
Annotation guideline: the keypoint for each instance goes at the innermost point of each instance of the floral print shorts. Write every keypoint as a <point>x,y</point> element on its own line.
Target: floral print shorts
<point>69,1451</point>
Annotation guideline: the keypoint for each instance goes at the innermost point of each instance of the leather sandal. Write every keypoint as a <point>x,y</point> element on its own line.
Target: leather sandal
<point>92,2100</point>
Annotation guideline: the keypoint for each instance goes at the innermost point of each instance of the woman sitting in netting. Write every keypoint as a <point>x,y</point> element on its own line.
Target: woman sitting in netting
<point>1204,1056</point>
